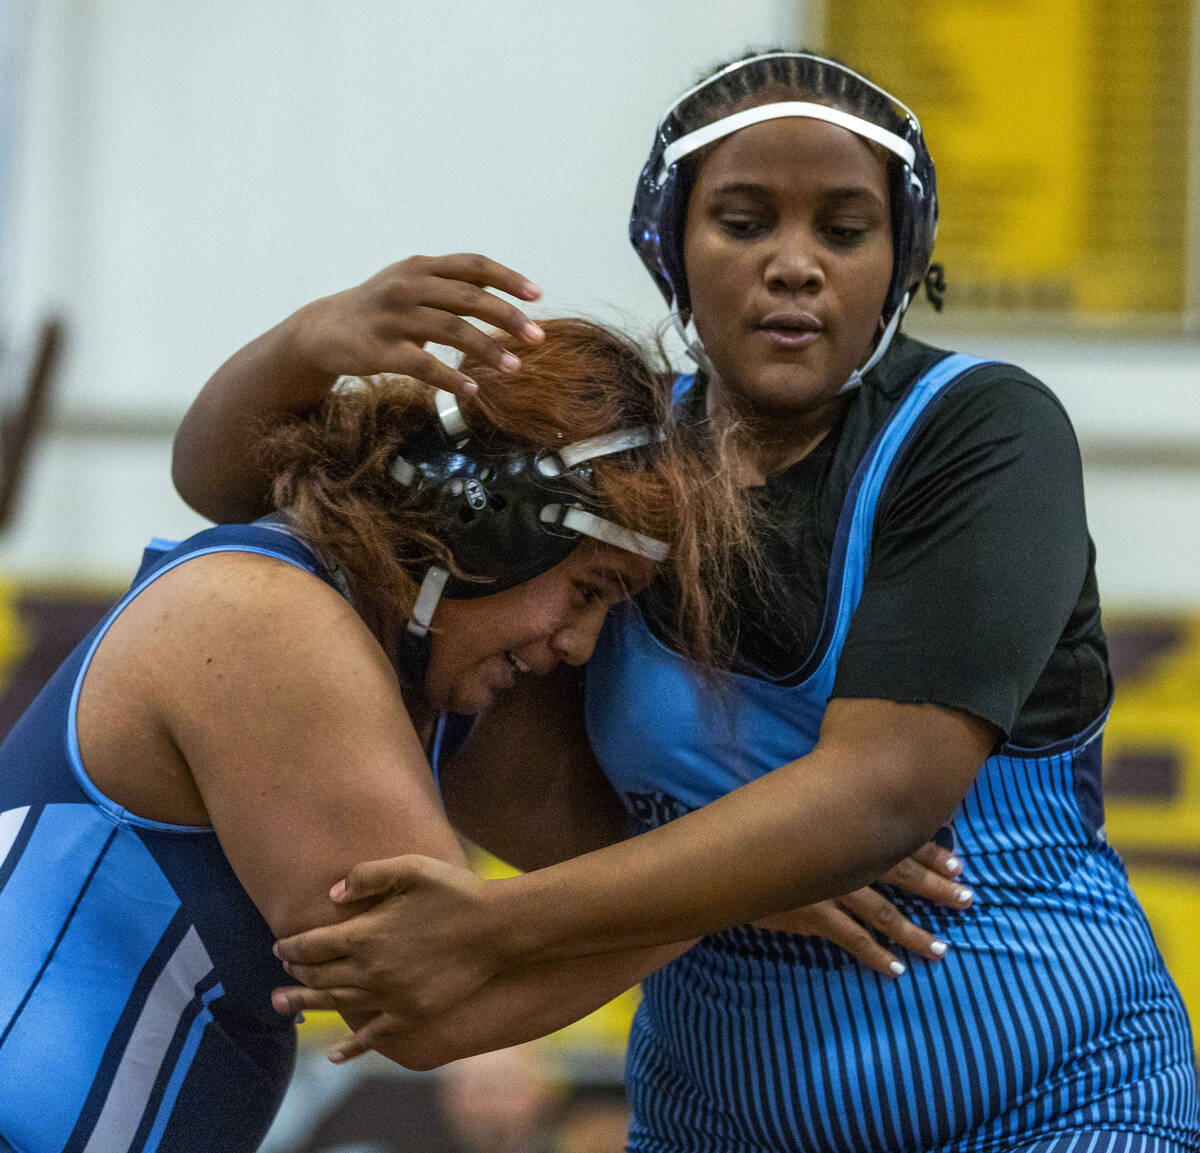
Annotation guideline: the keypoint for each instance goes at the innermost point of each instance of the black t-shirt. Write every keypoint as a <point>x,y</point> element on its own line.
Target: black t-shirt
<point>981,592</point>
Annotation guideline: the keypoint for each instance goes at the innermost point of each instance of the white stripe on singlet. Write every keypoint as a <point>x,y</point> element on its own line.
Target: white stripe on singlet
<point>142,1060</point>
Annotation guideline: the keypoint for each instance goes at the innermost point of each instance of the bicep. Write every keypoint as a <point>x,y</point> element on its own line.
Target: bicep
<point>526,785</point>
<point>301,749</point>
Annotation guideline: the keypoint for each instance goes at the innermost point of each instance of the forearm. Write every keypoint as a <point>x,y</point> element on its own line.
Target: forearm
<point>819,827</point>
<point>747,855</point>
<point>526,785</point>
<point>214,466</point>
<point>521,1005</point>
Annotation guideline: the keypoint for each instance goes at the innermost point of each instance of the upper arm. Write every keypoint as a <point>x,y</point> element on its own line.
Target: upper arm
<point>979,557</point>
<point>526,785</point>
<point>215,464</point>
<point>292,726</point>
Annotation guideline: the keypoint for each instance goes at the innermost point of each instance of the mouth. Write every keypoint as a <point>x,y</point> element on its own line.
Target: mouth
<point>516,662</point>
<point>790,329</point>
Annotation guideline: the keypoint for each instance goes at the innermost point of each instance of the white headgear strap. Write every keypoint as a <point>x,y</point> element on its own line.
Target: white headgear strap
<point>587,523</point>
<point>427,600</point>
<point>581,521</point>
<point>561,460</point>
<point>881,346</point>
<point>805,109</point>
<point>450,414</point>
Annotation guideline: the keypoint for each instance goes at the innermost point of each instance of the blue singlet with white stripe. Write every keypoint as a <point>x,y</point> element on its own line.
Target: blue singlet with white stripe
<point>135,973</point>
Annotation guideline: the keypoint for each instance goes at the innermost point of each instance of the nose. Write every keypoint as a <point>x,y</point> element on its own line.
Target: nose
<point>794,263</point>
<point>574,642</point>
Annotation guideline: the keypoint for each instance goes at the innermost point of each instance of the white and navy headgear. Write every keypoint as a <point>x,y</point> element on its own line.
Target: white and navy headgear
<point>509,515</point>
<point>656,225</point>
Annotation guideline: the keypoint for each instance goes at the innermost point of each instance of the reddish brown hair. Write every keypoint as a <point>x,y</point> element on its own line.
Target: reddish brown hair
<point>331,470</point>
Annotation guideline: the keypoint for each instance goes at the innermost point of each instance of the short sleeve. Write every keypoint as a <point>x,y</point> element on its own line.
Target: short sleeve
<point>979,554</point>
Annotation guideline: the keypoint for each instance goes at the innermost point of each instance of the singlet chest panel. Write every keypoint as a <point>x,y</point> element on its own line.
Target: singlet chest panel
<point>669,738</point>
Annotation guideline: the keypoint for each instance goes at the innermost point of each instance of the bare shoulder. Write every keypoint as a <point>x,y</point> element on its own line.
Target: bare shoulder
<point>222,643</point>
<point>284,717</point>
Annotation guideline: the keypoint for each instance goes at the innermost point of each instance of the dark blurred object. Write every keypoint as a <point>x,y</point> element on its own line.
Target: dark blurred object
<point>51,625</point>
<point>388,1115</point>
<point>28,379</point>
<point>494,1103</point>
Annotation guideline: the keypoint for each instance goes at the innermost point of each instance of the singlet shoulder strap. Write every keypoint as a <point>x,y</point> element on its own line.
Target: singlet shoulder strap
<point>267,537</point>
<point>852,545</point>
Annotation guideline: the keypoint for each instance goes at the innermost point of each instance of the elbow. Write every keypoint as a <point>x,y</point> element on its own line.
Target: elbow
<point>186,478</point>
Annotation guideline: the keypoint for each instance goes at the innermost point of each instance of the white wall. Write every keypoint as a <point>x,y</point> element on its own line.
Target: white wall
<point>192,172</point>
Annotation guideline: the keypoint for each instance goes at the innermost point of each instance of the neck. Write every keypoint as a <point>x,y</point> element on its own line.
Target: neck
<point>768,442</point>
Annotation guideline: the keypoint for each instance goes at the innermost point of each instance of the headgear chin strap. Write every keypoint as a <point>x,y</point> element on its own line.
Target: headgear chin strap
<point>509,515</point>
<point>660,205</point>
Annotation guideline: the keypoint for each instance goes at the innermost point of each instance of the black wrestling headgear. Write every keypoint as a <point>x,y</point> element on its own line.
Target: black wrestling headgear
<point>511,514</point>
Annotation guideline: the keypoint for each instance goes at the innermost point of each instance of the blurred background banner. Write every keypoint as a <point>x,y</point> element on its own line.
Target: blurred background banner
<point>175,178</point>
<point>1061,132</point>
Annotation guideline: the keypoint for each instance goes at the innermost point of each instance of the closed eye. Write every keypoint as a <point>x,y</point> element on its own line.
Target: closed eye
<point>589,594</point>
<point>846,234</point>
<point>742,227</point>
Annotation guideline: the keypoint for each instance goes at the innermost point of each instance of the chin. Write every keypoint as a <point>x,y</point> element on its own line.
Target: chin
<point>784,389</point>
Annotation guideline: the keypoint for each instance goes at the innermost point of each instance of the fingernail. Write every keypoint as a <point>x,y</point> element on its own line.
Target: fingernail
<point>938,948</point>
<point>338,892</point>
<point>509,363</point>
<point>964,895</point>
<point>336,1056</point>
<point>953,864</point>
<point>468,385</point>
<point>533,332</point>
<point>529,289</point>
<point>275,948</point>
<point>897,969</point>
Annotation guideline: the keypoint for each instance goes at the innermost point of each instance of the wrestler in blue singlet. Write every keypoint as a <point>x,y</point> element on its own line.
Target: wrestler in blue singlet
<point>1051,1026</point>
<point>135,973</point>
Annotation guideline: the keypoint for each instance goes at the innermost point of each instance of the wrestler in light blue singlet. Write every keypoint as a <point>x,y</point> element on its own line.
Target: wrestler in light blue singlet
<point>1051,1026</point>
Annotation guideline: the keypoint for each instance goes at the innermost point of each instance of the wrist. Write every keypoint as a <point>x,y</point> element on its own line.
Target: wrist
<point>519,928</point>
<point>298,356</point>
